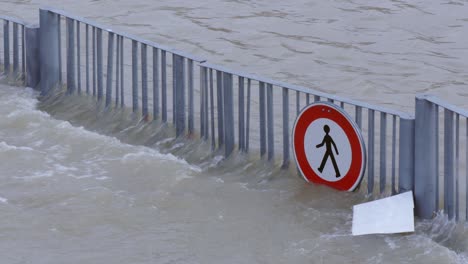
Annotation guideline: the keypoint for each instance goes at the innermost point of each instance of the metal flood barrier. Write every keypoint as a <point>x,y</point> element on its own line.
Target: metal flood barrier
<point>230,110</point>
<point>13,50</point>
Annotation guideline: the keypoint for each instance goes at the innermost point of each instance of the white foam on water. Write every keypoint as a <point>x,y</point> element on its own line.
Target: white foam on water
<point>3,200</point>
<point>6,147</point>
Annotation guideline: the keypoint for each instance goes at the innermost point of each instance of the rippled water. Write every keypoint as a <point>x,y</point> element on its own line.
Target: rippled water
<point>68,195</point>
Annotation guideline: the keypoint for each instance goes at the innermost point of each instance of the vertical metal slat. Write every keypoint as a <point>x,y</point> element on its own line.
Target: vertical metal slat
<point>110,63</point>
<point>370,150</point>
<point>144,82</point>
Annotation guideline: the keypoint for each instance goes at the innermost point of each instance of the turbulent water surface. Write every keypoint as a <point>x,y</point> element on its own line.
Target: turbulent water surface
<point>70,195</point>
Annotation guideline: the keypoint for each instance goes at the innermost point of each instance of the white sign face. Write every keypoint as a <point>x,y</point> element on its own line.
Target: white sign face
<point>333,158</point>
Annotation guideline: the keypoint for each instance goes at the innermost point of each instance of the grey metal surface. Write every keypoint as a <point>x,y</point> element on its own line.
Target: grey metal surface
<point>270,123</point>
<point>163,87</point>
<point>247,125</point>
<point>285,128</point>
<point>144,81</point>
<point>99,58</point>
<point>59,36</point>
<point>358,116</point>
<point>94,72</point>
<point>134,76</point>
<point>406,155</point>
<point>383,152</point>
<point>6,46</point>
<point>117,70</point>
<point>203,102</point>
<point>15,50</point>
<point>70,56</point>
<point>122,93</point>
<point>23,50</point>
<point>219,95</point>
<point>228,114</point>
<point>78,56</point>
<point>262,123</point>
<point>179,86</point>
<point>155,83</point>
<point>241,113</point>
<point>190,99</point>
<point>425,158</point>
<point>370,151</point>
<point>48,50</point>
<point>110,64</point>
<point>32,54</point>
<point>449,175</point>
<point>87,58</point>
<point>212,110</point>
<point>394,191</point>
<point>457,167</point>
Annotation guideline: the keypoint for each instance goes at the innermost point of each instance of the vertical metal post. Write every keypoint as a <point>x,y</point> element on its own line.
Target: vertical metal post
<point>261,96</point>
<point>155,83</point>
<point>117,70</point>
<point>247,125</point>
<point>213,142</point>
<point>285,128</point>
<point>99,64</point>
<point>298,107</point>
<point>179,87</point>
<point>316,98</point>
<point>23,50</point>
<point>191,117</point>
<point>70,55</point>
<point>59,37</point>
<point>6,46</point>
<point>466,172</point>
<point>436,118</point>
<point>228,114</point>
<point>122,94</point>
<point>203,122</point>
<point>406,155</point>
<point>449,175</point>
<point>370,150</point>
<point>134,76</point>
<point>219,94</point>
<point>425,158</point>
<point>15,50</point>
<point>49,50</point>
<point>32,54</point>
<point>78,55</point>
<point>110,64</point>
<point>383,151</point>
<point>241,114</point>
<point>307,99</point>
<point>205,96</point>
<point>94,61</point>
<point>87,59</point>
<point>144,82</point>
<point>270,122</point>
<point>394,155</point>
<point>358,114</point>
<point>163,87</point>
<point>174,92</point>
<point>457,167</point>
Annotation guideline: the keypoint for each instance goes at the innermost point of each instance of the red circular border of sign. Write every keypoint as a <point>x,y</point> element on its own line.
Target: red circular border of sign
<point>353,177</point>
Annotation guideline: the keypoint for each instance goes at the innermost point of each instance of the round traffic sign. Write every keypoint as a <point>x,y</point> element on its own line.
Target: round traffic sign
<point>328,147</point>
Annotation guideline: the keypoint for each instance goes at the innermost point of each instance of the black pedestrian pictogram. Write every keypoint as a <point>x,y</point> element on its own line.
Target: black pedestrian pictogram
<point>328,141</point>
